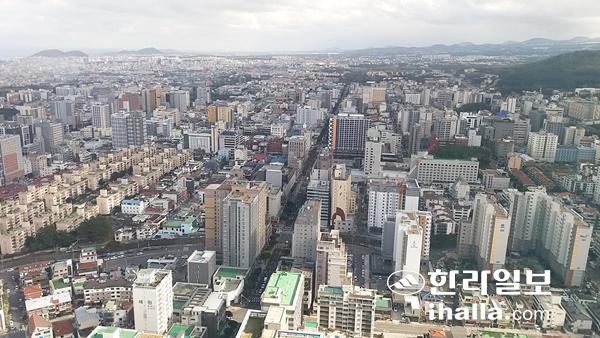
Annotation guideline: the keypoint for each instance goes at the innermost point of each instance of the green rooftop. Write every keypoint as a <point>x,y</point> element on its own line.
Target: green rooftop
<point>178,304</point>
<point>312,325</point>
<point>383,303</point>
<point>332,289</point>
<point>59,283</point>
<point>173,223</point>
<point>176,329</point>
<point>498,334</point>
<point>229,272</point>
<point>100,331</point>
<point>287,282</point>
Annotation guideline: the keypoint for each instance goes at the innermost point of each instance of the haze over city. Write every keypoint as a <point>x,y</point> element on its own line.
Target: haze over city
<point>283,25</point>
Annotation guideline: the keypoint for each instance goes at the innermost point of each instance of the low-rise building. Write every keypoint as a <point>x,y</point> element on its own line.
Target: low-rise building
<point>285,290</point>
<point>50,307</point>
<point>99,291</point>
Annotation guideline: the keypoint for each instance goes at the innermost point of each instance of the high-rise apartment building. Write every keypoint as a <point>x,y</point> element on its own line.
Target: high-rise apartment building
<point>332,261</point>
<point>486,237</point>
<point>214,195</point>
<point>101,115</point>
<point>372,161</point>
<point>53,135</point>
<point>348,133</point>
<point>306,231</point>
<point>153,300</point>
<point>128,129</point>
<point>347,309</point>
<point>542,146</point>
<point>386,198</point>
<point>11,159</point>
<point>244,227</point>
<point>559,236</point>
<point>148,100</point>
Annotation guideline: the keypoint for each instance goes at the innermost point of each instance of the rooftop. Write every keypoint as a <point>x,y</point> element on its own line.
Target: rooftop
<point>111,331</point>
<point>201,256</point>
<point>229,272</point>
<point>284,284</point>
<point>177,329</point>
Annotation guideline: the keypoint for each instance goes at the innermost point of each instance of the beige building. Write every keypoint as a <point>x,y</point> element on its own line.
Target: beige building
<point>332,261</point>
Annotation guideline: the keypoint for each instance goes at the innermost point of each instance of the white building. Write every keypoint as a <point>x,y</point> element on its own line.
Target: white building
<point>430,170</point>
<point>306,231</point>
<point>542,146</point>
<point>491,231</point>
<point>553,315</point>
<point>153,300</point>
<point>101,115</point>
<point>285,290</point>
<point>408,243</point>
<point>372,161</point>
<point>133,207</point>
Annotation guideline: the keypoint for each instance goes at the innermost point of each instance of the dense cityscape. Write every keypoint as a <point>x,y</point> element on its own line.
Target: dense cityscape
<point>374,193</point>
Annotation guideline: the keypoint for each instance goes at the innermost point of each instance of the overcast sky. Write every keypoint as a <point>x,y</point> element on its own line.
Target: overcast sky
<point>285,25</point>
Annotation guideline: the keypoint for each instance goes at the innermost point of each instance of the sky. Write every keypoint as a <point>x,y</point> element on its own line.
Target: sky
<point>284,25</point>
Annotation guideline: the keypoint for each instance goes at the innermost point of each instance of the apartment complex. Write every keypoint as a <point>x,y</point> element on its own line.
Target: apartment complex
<point>542,146</point>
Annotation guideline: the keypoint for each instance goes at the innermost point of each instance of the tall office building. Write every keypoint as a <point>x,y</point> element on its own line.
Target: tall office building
<point>244,227</point>
<point>487,234</point>
<point>348,309</point>
<point>203,94</point>
<point>148,100</point>
<point>348,133</point>
<point>542,146</point>
<point>446,127</point>
<point>128,129</point>
<point>52,135</point>
<point>153,300</point>
<point>101,115</point>
<point>306,231</point>
<point>372,161</point>
<point>298,147</point>
<point>11,159</point>
<point>331,266</point>
<point>408,242</point>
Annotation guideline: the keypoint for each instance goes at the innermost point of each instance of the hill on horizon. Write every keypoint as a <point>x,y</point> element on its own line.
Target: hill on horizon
<point>57,53</point>
<point>562,72</point>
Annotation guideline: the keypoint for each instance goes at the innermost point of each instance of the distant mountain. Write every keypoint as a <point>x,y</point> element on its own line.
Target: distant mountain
<point>57,53</point>
<point>143,51</point>
<point>535,46</point>
<point>565,71</point>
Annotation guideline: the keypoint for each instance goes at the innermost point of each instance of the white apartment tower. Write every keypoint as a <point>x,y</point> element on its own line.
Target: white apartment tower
<point>244,227</point>
<point>542,146</point>
<point>306,231</point>
<point>153,300</point>
<point>101,115</point>
<point>491,229</point>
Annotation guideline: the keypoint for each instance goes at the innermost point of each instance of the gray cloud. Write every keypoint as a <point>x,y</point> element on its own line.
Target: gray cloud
<point>268,25</point>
